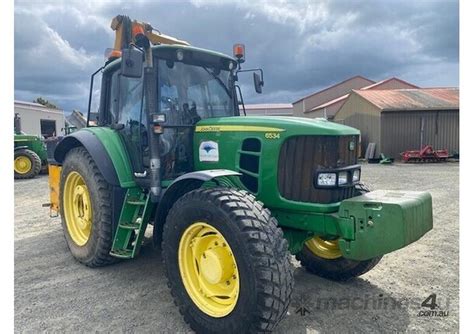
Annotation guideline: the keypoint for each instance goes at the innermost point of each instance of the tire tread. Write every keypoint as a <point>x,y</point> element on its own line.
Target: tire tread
<point>101,257</point>
<point>268,249</point>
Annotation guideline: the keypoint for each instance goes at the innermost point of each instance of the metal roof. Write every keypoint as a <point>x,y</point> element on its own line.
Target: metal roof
<point>372,86</point>
<point>382,82</point>
<point>32,104</point>
<point>412,99</point>
<point>36,106</point>
<point>327,104</point>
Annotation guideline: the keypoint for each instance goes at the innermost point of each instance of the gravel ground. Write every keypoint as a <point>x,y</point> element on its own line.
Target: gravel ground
<point>54,293</point>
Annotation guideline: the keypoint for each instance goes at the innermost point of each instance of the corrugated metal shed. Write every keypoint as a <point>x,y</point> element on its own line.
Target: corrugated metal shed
<point>404,119</point>
<point>339,84</point>
<point>413,99</point>
<point>303,106</point>
<point>390,83</point>
<point>411,130</point>
<point>331,108</point>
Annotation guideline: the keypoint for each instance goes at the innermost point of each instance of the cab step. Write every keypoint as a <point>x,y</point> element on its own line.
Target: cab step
<point>136,202</point>
<point>134,217</point>
<point>130,226</point>
<point>122,254</point>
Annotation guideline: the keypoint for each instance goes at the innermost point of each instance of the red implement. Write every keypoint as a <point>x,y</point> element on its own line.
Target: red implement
<point>427,154</point>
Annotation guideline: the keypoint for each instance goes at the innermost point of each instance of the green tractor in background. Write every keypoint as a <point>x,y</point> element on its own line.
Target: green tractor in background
<point>230,197</point>
<point>30,153</point>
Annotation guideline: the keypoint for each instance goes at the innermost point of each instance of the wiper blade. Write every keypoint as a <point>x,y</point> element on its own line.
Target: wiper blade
<point>219,80</point>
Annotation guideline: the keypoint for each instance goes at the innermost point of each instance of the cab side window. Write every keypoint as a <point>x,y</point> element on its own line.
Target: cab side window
<point>132,121</point>
<point>130,101</point>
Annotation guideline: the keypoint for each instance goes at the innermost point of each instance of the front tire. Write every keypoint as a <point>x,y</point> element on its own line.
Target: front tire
<point>323,257</point>
<point>27,164</point>
<point>227,263</point>
<point>336,269</point>
<point>86,212</point>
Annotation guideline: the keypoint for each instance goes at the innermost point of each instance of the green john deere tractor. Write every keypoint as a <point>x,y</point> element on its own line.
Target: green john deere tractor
<point>230,197</point>
<point>30,153</point>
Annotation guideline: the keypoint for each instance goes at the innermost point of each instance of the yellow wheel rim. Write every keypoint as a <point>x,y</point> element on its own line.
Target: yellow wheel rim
<point>22,164</point>
<point>327,249</point>
<point>77,208</point>
<point>208,269</point>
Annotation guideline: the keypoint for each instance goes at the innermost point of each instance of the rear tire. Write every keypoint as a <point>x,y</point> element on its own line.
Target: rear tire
<point>264,272</point>
<point>337,269</point>
<point>27,164</point>
<point>92,248</point>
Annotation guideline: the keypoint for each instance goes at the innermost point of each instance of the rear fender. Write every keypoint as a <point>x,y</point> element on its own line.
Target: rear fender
<point>106,149</point>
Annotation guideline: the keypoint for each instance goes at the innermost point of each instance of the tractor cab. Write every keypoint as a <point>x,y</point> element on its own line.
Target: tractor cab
<point>187,85</point>
<point>156,88</point>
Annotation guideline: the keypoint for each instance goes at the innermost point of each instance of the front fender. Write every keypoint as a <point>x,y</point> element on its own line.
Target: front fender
<point>180,186</point>
<point>204,175</point>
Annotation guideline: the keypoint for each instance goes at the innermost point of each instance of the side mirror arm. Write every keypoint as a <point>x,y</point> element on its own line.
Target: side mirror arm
<point>241,99</point>
<point>252,70</point>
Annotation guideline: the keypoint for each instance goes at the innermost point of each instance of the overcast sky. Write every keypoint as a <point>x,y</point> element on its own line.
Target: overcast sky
<point>302,46</point>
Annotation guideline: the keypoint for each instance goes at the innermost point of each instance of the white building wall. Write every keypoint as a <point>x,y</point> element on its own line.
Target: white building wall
<point>32,115</point>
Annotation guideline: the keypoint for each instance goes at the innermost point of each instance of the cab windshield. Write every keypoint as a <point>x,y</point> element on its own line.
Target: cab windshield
<point>188,93</point>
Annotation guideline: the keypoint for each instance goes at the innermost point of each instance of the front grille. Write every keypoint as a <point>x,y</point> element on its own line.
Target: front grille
<point>301,156</point>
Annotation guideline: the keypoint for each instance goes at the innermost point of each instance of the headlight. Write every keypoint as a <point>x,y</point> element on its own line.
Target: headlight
<point>356,175</point>
<point>343,178</point>
<point>326,179</point>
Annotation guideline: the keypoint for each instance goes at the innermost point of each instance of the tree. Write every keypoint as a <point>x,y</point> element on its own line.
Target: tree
<point>46,103</point>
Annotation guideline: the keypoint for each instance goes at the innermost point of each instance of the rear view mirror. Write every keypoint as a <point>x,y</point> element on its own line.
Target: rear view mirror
<point>257,81</point>
<point>132,63</point>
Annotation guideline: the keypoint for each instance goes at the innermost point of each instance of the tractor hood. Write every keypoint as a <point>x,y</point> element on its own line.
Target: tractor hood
<point>288,125</point>
<point>26,137</point>
<point>268,150</point>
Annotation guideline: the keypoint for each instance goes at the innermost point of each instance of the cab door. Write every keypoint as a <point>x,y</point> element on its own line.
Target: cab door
<point>130,118</point>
